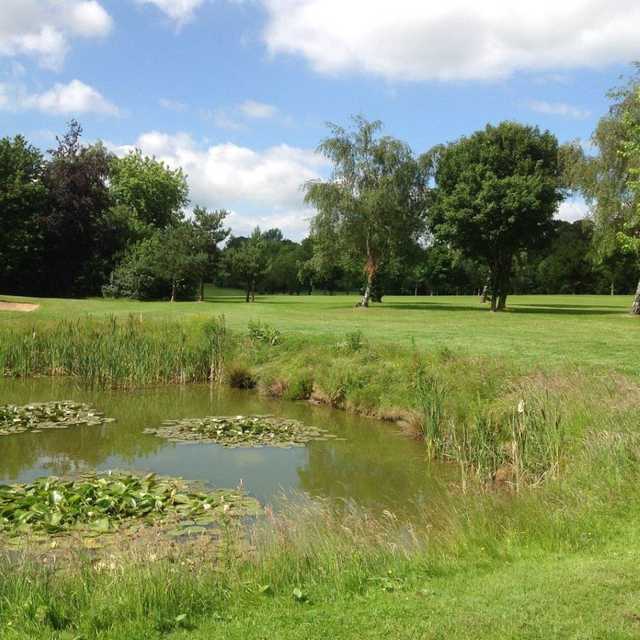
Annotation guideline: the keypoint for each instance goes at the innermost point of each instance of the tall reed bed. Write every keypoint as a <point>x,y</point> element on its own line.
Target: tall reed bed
<point>116,353</point>
<point>524,442</point>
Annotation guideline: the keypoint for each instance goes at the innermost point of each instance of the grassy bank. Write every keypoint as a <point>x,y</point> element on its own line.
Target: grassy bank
<point>537,408</point>
<point>547,330</point>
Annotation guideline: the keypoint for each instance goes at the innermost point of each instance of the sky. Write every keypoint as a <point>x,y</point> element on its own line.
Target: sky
<point>238,92</point>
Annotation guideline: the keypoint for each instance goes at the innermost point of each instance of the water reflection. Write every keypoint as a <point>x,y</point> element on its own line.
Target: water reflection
<point>373,465</point>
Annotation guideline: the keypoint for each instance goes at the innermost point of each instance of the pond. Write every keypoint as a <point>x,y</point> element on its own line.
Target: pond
<point>371,463</point>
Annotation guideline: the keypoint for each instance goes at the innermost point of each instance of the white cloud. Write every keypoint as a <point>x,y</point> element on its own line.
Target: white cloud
<point>41,29</point>
<point>572,210</point>
<point>455,40</point>
<point>179,11</point>
<point>260,187</point>
<point>89,19</point>
<point>73,98</point>
<point>558,109</point>
<point>235,118</point>
<point>173,105</point>
<point>258,110</point>
<point>222,119</point>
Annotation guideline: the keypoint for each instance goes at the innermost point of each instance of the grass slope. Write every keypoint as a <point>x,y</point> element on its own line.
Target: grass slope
<point>546,330</point>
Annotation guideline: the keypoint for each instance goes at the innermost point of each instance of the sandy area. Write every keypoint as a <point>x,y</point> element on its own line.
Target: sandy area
<point>17,306</point>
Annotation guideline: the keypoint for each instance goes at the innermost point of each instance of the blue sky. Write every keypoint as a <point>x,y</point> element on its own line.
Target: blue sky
<point>237,92</point>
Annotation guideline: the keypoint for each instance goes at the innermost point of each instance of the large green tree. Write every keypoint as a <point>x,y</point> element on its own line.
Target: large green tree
<point>78,199</point>
<point>628,235</point>
<point>22,200</point>
<point>210,231</point>
<point>495,194</point>
<point>247,262</point>
<point>183,258</point>
<point>608,178</point>
<point>152,191</point>
<point>168,263</point>
<point>373,205</point>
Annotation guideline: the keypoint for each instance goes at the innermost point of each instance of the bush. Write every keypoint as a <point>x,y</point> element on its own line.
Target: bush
<point>264,333</point>
<point>300,387</point>
<point>139,276</point>
<point>352,343</point>
<point>241,378</point>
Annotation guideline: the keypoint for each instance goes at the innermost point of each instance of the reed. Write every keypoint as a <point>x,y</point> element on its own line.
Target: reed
<point>116,353</point>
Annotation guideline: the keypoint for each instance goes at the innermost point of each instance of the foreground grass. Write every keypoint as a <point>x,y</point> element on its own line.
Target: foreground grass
<point>542,400</point>
<point>546,330</point>
<point>576,597</point>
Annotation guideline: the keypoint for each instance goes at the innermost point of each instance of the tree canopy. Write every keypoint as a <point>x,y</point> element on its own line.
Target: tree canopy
<point>495,194</point>
<point>373,205</point>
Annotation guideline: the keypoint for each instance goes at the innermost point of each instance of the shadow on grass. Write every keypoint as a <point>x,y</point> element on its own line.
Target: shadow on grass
<point>572,306</point>
<point>433,305</point>
<point>540,309</point>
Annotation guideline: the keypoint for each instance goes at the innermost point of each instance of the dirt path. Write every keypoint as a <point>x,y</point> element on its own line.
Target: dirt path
<point>17,306</point>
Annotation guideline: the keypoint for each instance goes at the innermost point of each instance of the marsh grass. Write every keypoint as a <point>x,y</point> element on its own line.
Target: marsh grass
<point>116,353</point>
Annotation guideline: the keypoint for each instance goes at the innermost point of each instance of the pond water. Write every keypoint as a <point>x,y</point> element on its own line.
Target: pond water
<point>375,465</point>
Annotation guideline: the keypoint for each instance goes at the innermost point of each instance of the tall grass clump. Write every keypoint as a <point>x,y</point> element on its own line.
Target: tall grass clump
<point>218,341</point>
<point>517,439</point>
<point>430,401</point>
<point>525,445</point>
<point>116,353</point>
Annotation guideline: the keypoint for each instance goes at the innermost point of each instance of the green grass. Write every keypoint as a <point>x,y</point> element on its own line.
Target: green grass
<point>542,399</point>
<point>538,598</point>
<point>547,330</point>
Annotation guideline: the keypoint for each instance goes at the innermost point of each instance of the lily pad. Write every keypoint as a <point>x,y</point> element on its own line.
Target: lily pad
<point>98,504</point>
<point>241,431</point>
<point>47,415</point>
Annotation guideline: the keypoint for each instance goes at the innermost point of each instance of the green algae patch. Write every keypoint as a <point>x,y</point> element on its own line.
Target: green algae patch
<point>38,416</point>
<point>241,431</point>
<point>96,504</point>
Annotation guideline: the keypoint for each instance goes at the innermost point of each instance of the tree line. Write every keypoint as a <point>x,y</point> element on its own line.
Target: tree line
<point>472,216</point>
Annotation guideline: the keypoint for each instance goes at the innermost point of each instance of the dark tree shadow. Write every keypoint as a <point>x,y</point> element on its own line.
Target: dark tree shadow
<point>540,309</point>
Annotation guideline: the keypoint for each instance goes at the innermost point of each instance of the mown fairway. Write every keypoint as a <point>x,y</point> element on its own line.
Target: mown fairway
<point>536,330</point>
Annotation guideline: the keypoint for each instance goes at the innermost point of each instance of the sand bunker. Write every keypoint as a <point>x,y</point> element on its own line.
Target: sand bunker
<point>17,306</point>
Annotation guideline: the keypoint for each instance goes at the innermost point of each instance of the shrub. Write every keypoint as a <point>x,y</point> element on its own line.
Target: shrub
<point>352,343</point>
<point>241,377</point>
<point>264,333</point>
<point>139,275</point>
<point>301,387</point>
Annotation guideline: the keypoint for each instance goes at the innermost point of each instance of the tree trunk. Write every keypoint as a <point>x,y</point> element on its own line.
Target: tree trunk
<point>173,291</point>
<point>201,291</point>
<point>247,297</point>
<point>500,280</point>
<point>494,289</point>
<point>366,296</point>
<point>635,309</point>
<point>370,269</point>
<point>253,291</point>
<point>484,296</point>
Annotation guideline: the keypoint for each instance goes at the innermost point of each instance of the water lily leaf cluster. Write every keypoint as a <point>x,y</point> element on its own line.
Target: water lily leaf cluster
<point>103,503</point>
<point>241,431</point>
<point>47,415</point>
